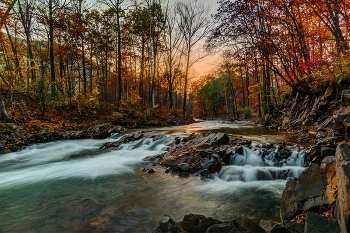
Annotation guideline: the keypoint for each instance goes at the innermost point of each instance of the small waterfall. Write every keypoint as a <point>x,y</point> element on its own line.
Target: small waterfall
<point>296,159</point>
<point>244,156</point>
<point>264,164</point>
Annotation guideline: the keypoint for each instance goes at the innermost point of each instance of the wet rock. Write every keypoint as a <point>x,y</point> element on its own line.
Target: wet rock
<point>184,166</point>
<point>166,225</point>
<point>319,224</point>
<point>125,139</point>
<point>196,223</point>
<point>250,225</point>
<point>154,158</point>
<point>230,227</point>
<point>159,136</point>
<point>279,229</point>
<point>294,227</point>
<point>149,170</point>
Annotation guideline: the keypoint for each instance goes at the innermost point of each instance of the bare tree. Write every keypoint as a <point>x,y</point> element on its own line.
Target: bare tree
<point>172,43</point>
<point>116,4</point>
<point>194,22</point>
<point>25,12</point>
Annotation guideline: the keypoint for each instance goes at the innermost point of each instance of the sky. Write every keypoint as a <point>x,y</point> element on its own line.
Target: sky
<point>207,64</point>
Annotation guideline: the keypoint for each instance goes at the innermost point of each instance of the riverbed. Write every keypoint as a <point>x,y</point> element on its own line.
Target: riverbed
<point>69,186</point>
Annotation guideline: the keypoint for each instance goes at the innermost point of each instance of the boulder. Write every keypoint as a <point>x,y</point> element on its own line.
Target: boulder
<point>318,224</point>
<point>196,223</point>
<point>231,227</point>
<point>308,192</point>
<point>250,225</point>
<point>294,227</point>
<point>278,228</point>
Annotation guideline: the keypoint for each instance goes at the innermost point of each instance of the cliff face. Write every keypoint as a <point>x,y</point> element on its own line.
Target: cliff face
<point>308,112</point>
<point>311,110</point>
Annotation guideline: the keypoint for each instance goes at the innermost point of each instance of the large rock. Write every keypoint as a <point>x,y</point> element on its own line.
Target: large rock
<point>343,178</point>
<point>319,224</point>
<point>197,223</point>
<point>315,189</point>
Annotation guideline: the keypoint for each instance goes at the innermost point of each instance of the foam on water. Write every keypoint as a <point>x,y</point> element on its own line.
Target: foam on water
<point>52,151</point>
<point>51,161</point>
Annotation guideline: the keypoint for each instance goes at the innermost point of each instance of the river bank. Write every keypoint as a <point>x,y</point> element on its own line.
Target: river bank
<point>16,136</point>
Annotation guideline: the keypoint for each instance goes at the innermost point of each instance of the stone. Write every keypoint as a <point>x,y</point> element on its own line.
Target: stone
<point>279,229</point>
<point>220,139</point>
<point>345,97</point>
<point>294,227</point>
<point>125,139</point>
<point>307,192</point>
<point>342,210</point>
<point>321,134</point>
<point>230,227</point>
<point>318,224</point>
<point>167,225</point>
<point>327,151</point>
<point>196,223</point>
<point>184,166</point>
<point>250,225</point>
<point>150,171</point>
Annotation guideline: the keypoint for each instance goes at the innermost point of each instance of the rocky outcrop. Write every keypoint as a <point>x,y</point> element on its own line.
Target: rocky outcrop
<point>313,191</point>
<point>194,223</point>
<point>342,211</point>
<point>99,131</point>
<point>319,200</point>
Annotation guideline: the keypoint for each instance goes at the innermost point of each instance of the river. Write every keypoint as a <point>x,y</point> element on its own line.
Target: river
<point>71,186</point>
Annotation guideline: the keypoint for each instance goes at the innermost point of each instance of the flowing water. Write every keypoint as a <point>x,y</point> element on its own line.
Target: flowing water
<point>69,186</point>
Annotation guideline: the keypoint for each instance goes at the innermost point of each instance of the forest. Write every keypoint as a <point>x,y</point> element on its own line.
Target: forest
<point>132,60</point>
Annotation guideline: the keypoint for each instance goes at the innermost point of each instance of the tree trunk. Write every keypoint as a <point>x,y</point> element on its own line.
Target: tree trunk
<point>52,57</point>
<point>120,86</point>
<point>186,83</point>
<point>4,115</point>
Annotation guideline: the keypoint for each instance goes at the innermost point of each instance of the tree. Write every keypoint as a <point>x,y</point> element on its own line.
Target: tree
<point>194,23</point>
<point>4,14</point>
<point>117,7</point>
